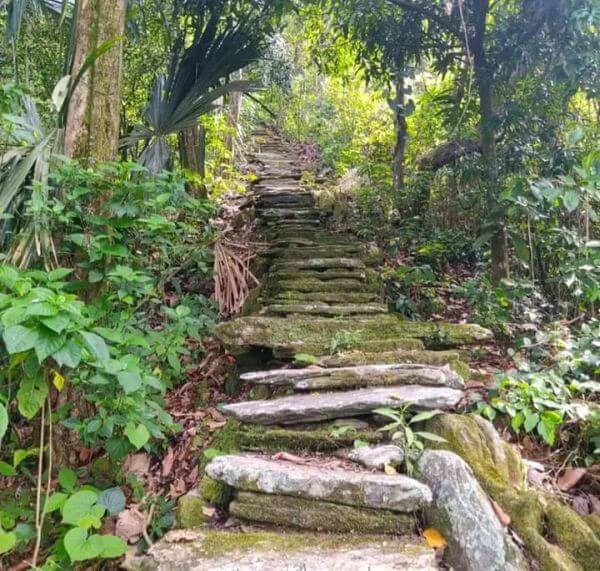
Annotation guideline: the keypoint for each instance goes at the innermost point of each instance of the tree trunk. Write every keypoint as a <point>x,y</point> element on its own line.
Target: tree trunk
<point>233,117</point>
<point>92,127</point>
<point>487,129</point>
<point>191,153</point>
<point>401,131</point>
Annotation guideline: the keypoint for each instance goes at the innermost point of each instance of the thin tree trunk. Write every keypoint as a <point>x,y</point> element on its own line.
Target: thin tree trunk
<point>192,152</point>
<point>401,131</point>
<point>483,75</point>
<point>92,127</point>
<point>233,117</point>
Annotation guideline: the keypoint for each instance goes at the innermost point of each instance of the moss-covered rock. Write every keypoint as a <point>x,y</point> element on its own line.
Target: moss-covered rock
<point>315,336</point>
<point>292,297</point>
<point>553,533</point>
<point>215,493</point>
<point>190,511</point>
<point>288,511</point>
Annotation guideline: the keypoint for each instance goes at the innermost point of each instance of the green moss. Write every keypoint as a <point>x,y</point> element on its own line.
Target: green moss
<point>252,303</point>
<point>254,437</point>
<point>319,516</point>
<point>190,511</point>
<point>555,535</point>
<point>308,285</point>
<point>332,297</point>
<point>314,335</point>
<point>216,493</point>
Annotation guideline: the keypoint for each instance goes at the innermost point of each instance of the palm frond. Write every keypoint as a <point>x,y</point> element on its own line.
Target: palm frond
<point>17,10</point>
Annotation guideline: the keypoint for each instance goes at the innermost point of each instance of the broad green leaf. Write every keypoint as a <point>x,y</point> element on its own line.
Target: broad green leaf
<point>48,342</point>
<point>7,469</point>
<point>137,435</point>
<point>21,455</point>
<point>69,355</point>
<point>41,309</point>
<point>113,500</point>
<point>7,541</point>
<point>80,547</point>
<point>570,199</point>
<point>59,274</point>
<point>78,506</point>
<point>112,546</point>
<point>56,501</point>
<point>58,323</point>
<point>531,421</point>
<point>67,478</point>
<point>130,381</point>
<point>19,339</point>
<point>425,415</point>
<point>96,345</point>
<point>3,421</point>
<point>31,396</point>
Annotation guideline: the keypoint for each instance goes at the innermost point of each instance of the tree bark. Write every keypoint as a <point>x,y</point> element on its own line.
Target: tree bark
<point>92,126</point>
<point>191,154</point>
<point>487,129</point>
<point>401,131</point>
<point>233,117</point>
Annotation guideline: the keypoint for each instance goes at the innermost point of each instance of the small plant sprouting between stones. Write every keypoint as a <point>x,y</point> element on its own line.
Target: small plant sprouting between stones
<point>403,433</point>
<point>345,340</point>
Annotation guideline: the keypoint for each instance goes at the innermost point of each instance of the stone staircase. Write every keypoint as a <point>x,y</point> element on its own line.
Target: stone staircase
<point>329,355</point>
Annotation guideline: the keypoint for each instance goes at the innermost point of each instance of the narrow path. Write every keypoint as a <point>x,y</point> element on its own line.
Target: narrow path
<point>291,462</point>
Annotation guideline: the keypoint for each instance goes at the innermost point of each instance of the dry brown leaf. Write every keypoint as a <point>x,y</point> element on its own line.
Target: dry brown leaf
<point>167,463</point>
<point>137,464</point>
<point>434,538</point>
<point>287,457</point>
<point>570,478</point>
<point>130,525</point>
<point>502,515</point>
<point>389,469</point>
<point>181,535</point>
<point>208,512</point>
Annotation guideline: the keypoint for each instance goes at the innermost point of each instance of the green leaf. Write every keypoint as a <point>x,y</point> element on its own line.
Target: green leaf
<point>430,436</point>
<point>80,547</point>
<point>517,421</point>
<point>137,435</point>
<point>19,339</point>
<point>21,455</point>
<point>7,469</point>
<point>570,199</point>
<point>130,381</point>
<point>67,478</point>
<point>211,453</point>
<point>69,355</point>
<point>58,323</point>
<point>425,415</point>
<point>48,342</point>
<point>78,506</point>
<point>3,421</point>
<point>7,541</point>
<point>31,396</point>
<point>112,547</point>
<point>113,500</point>
<point>56,501</point>
<point>59,274</point>
<point>96,345</point>
<point>531,421</point>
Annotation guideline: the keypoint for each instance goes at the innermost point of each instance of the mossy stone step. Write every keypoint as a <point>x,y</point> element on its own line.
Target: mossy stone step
<point>334,405</point>
<point>276,551</point>
<point>298,333</point>
<point>320,263</point>
<point>312,284</point>
<point>300,274</point>
<point>315,240</point>
<point>315,378</point>
<point>321,308</point>
<point>298,252</point>
<point>287,511</point>
<point>279,214</point>
<point>327,297</point>
<point>364,489</point>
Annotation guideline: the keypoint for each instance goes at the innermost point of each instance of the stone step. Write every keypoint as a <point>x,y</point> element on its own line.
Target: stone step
<point>327,297</point>
<point>275,551</point>
<point>287,511</point>
<point>296,334</point>
<point>320,263</point>
<point>321,308</point>
<point>327,406</point>
<point>359,488</point>
<point>301,275</point>
<point>299,251</point>
<point>354,358</point>
<point>289,214</point>
<point>316,378</point>
<point>311,284</point>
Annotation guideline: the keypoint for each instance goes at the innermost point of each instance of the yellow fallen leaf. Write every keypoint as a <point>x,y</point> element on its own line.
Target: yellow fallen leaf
<point>434,538</point>
<point>390,470</point>
<point>58,380</point>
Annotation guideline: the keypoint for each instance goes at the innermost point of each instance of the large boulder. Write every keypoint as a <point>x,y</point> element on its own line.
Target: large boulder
<point>462,513</point>
<point>557,537</point>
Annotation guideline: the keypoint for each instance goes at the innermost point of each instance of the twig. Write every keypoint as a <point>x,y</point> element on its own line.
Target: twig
<point>147,523</point>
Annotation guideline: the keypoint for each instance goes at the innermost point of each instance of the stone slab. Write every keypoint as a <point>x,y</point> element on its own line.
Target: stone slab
<point>362,489</point>
<point>326,406</point>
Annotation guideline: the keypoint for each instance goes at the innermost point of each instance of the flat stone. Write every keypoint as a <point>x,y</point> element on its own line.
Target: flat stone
<point>377,457</point>
<point>325,406</point>
<point>289,511</point>
<point>327,263</point>
<point>298,275</point>
<point>363,489</point>
<point>314,378</point>
<point>353,358</point>
<point>462,513</point>
<point>321,308</point>
<point>262,550</point>
<point>298,333</point>
<point>327,297</point>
